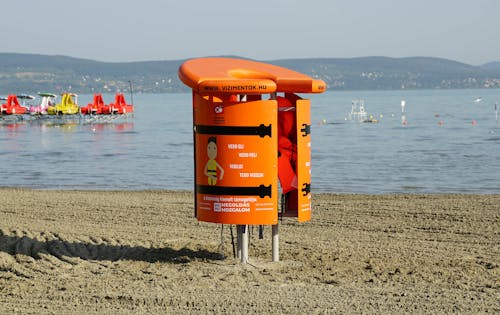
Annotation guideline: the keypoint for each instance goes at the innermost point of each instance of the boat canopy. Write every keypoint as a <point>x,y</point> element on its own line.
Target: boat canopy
<point>43,94</point>
<point>25,97</point>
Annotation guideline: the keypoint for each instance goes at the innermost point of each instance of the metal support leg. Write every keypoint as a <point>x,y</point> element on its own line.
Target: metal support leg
<point>244,244</point>
<point>238,241</point>
<point>276,243</point>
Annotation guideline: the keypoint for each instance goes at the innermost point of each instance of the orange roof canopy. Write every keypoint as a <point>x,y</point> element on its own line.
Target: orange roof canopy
<point>239,76</point>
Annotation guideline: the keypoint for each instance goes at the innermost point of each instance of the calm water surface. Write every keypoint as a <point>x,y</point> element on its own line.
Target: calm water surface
<point>450,144</point>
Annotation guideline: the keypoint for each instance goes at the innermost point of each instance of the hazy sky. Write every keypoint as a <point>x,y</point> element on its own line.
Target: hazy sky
<point>135,30</point>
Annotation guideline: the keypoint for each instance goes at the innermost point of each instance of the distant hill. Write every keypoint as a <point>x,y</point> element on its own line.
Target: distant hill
<point>30,73</point>
<point>492,66</point>
<point>395,73</point>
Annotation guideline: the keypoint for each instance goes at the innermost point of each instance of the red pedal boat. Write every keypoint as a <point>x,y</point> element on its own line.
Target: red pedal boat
<point>120,106</point>
<point>12,107</point>
<point>95,108</point>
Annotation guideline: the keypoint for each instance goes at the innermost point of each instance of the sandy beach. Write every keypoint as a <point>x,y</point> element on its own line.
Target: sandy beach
<point>143,252</point>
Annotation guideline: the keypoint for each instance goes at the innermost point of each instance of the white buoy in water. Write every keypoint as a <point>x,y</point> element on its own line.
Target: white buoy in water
<point>403,116</point>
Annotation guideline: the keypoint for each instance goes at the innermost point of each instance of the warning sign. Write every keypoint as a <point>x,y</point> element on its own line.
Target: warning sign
<point>235,161</point>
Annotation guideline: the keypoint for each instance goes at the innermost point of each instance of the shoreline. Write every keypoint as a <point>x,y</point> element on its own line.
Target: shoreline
<point>74,251</point>
<point>183,191</point>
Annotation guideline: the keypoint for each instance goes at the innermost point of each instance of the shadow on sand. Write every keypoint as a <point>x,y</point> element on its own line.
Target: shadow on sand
<point>65,250</point>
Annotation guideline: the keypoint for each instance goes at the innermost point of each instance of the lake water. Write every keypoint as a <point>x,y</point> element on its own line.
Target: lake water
<point>450,144</point>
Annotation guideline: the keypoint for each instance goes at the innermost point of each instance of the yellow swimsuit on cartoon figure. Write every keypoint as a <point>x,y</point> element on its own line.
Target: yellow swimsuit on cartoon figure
<point>212,172</point>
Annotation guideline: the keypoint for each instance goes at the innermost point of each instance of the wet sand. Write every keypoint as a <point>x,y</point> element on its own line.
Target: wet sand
<point>84,252</point>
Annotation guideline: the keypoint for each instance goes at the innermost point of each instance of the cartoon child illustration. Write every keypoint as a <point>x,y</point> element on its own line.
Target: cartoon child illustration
<point>212,165</point>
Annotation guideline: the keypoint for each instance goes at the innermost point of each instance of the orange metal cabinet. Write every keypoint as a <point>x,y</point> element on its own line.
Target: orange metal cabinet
<point>237,141</point>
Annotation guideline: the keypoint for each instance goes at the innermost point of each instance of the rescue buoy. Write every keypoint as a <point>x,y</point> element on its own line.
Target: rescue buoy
<point>287,145</point>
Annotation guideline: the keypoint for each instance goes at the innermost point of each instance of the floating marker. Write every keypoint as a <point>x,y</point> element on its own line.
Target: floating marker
<point>496,113</point>
<point>403,116</point>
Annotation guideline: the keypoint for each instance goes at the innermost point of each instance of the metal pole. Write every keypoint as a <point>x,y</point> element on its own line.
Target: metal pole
<point>496,113</point>
<point>238,241</point>
<point>232,241</point>
<point>244,244</point>
<point>131,93</point>
<point>276,243</point>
